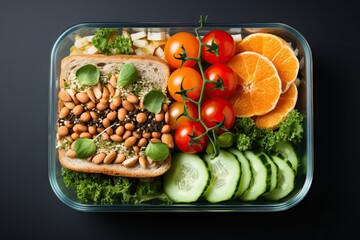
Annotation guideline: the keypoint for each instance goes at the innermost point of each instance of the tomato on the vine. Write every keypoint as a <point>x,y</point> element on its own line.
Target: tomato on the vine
<point>183,140</point>
<point>190,79</point>
<point>176,109</point>
<point>215,110</point>
<point>225,47</point>
<point>177,44</point>
<point>216,73</point>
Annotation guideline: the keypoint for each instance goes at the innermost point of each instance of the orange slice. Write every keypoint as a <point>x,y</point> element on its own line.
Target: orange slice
<point>277,50</point>
<point>286,103</point>
<point>259,85</point>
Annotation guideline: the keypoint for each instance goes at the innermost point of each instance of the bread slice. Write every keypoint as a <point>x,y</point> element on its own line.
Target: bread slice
<point>152,71</point>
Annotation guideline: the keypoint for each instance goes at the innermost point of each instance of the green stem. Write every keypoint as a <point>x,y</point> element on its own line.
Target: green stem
<point>103,132</point>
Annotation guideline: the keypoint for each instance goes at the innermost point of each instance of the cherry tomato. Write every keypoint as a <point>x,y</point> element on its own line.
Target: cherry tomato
<point>182,139</point>
<point>190,79</point>
<point>173,49</point>
<point>225,43</point>
<point>177,108</point>
<point>214,73</point>
<point>214,110</point>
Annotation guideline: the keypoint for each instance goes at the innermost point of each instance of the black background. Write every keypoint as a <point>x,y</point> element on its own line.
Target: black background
<point>30,209</point>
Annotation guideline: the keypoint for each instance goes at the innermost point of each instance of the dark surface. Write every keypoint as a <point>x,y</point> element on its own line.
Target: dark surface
<point>30,209</point>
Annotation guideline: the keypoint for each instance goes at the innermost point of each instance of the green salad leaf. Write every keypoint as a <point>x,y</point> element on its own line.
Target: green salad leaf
<point>88,75</point>
<point>153,101</point>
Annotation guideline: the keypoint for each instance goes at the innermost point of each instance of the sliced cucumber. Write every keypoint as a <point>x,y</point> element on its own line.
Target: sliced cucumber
<point>187,178</point>
<point>261,176</point>
<point>225,176</point>
<point>245,172</point>
<point>286,179</point>
<point>274,172</point>
<point>286,150</point>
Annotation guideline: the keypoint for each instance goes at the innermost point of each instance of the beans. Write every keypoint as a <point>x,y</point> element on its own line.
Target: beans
<point>146,135</point>
<point>111,116</point>
<point>112,106</point>
<point>64,112</point>
<point>90,105</point>
<point>63,131</point>
<point>111,89</point>
<point>142,142</point>
<point>82,97</point>
<point>141,117</point>
<point>74,136</point>
<point>166,129</point>
<point>91,95</point>
<point>168,140</point>
<point>132,99</point>
<point>106,122</point>
<point>167,117</point>
<point>130,162</point>
<point>68,124</point>
<point>97,92</point>
<point>130,141</point>
<point>101,106</point>
<point>159,117</point>
<point>128,106</point>
<point>92,130</point>
<point>85,135</point>
<point>105,94</point>
<point>70,153</point>
<point>120,158</point>
<point>82,128</point>
<point>122,114</point>
<point>69,105</point>
<point>64,96</point>
<point>120,130</point>
<point>110,157</point>
<point>129,126</point>
<point>116,138</point>
<point>117,101</point>
<point>99,158</point>
<point>156,134</point>
<point>85,117</point>
<point>113,80</point>
<point>78,109</point>
<point>103,101</point>
<point>142,161</point>
<point>94,115</point>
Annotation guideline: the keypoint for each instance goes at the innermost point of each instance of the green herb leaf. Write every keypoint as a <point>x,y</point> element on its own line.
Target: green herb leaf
<point>84,147</point>
<point>153,101</point>
<point>157,151</point>
<point>128,75</point>
<point>88,75</point>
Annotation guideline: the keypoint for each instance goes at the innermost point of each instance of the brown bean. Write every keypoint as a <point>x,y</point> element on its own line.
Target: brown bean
<point>85,117</point>
<point>127,134</point>
<point>106,122</point>
<point>120,130</point>
<point>129,126</point>
<point>76,129</point>
<point>128,106</point>
<point>90,105</point>
<point>159,117</point>
<point>110,157</point>
<point>97,92</point>
<point>64,96</point>
<point>132,99</point>
<point>150,161</point>
<point>82,97</point>
<point>167,117</point>
<point>168,140</point>
<point>105,94</point>
<point>105,136</point>
<point>146,135</point>
<point>117,101</point>
<point>63,131</point>
<point>74,136</point>
<point>136,134</point>
<point>99,158</point>
<point>130,141</point>
<point>136,149</point>
<point>122,114</point>
<point>116,138</point>
<point>112,106</point>
<point>68,124</point>
<point>110,131</point>
<point>64,112</point>
<point>113,80</point>
<point>166,128</point>
<point>111,89</point>
<point>142,142</point>
<point>141,117</point>
<point>111,116</point>
<point>120,158</point>
<point>85,135</point>
<point>104,101</point>
<point>101,106</point>
<point>164,107</point>
<point>91,95</point>
<point>78,109</point>
<point>156,134</point>
<point>92,130</point>
<point>70,153</point>
<point>82,128</point>
<point>142,161</point>
<point>153,140</point>
<point>69,105</point>
<point>94,115</point>
<point>130,162</point>
<point>72,146</point>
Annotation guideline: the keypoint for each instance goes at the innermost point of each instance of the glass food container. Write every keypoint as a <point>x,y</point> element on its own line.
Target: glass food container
<point>305,150</point>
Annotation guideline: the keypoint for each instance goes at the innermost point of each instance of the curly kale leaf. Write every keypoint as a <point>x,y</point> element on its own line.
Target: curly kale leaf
<point>108,41</point>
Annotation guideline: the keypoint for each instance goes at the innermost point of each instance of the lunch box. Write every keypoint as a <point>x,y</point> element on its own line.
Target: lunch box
<point>305,150</point>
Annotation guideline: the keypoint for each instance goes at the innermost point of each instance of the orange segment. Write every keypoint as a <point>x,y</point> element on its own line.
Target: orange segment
<point>277,50</point>
<point>286,103</point>
<point>259,85</point>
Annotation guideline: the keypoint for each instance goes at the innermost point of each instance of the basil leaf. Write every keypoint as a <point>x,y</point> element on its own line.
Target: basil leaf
<point>153,101</point>
<point>84,147</point>
<point>128,75</point>
<point>157,151</point>
<point>88,75</point>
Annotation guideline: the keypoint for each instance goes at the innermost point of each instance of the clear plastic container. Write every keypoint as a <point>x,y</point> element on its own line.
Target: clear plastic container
<point>61,49</point>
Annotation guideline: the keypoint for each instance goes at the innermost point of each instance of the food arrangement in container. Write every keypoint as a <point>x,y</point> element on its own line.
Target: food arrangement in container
<point>162,117</point>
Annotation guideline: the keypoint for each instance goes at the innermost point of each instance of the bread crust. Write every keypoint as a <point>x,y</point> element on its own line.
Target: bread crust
<point>114,169</point>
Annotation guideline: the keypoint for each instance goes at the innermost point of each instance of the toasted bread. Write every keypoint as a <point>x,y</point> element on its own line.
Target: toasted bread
<point>153,73</point>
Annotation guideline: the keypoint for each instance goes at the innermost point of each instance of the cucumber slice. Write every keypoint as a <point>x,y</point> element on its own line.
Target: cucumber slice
<point>225,176</point>
<point>286,150</point>
<point>274,172</point>
<point>286,179</point>
<point>261,175</point>
<point>245,172</point>
<point>187,178</point>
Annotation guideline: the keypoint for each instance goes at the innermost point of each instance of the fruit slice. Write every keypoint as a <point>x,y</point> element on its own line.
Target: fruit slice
<point>286,103</point>
<point>277,50</point>
<point>259,85</point>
